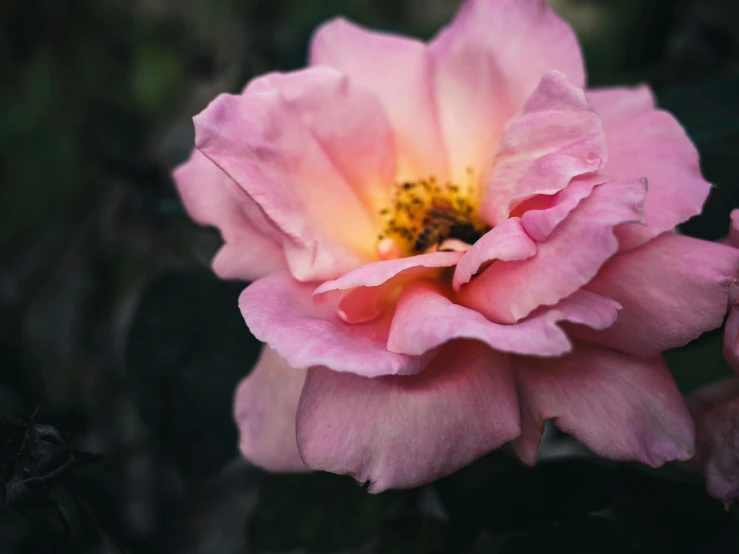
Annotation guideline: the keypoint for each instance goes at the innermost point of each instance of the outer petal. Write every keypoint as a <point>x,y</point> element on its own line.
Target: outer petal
<point>398,70</point>
<point>672,289</point>
<point>646,142</point>
<point>731,337</point>
<point>426,319</point>
<point>487,62</point>
<point>279,311</point>
<point>734,229</point>
<point>556,138</point>
<point>348,123</point>
<point>261,140</point>
<point>507,242</point>
<point>398,432</point>
<point>573,254</point>
<point>622,408</point>
<point>253,246</point>
<point>715,408</point>
<point>265,408</point>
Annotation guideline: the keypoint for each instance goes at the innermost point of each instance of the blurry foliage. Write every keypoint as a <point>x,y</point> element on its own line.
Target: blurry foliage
<point>111,324</point>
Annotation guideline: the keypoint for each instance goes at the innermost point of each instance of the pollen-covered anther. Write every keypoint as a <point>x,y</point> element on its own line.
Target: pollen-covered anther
<point>426,216</point>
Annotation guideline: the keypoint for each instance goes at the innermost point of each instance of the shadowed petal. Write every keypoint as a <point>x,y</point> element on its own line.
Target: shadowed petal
<point>621,407</point>
<point>400,432</point>
<point>279,311</point>
<point>264,409</point>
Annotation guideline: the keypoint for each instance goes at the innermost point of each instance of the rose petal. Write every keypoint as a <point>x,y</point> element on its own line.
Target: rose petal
<point>573,254</point>
<point>507,242</point>
<point>279,311</point>
<point>264,145</point>
<point>715,408</point>
<point>211,197</point>
<point>540,223</point>
<point>650,143</point>
<point>398,432</point>
<point>556,138</point>
<point>348,123</point>
<point>425,319</point>
<point>398,71</point>
<point>621,407</point>
<point>672,290</point>
<point>264,409</point>
<point>734,229</point>
<point>486,63</point>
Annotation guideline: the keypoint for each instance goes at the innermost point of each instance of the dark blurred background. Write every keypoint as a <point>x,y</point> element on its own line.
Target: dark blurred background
<point>113,328</point>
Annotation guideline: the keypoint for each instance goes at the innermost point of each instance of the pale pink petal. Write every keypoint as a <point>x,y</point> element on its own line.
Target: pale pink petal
<point>265,408</point>
<point>399,432</point>
<point>539,223</point>
<point>715,408</point>
<point>672,290</point>
<point>348,123</point>
<point>261,141</point>
<point>508,241</point>
<point>620,407</point>
<point>731,337</point>
<point>650,143</point>
<point>556,138</point>
<point>570,258</point>
<point>487,63</point>
<point>398,70</point>
<point>425,319</point>
<point>252,246</point>
<point>279,311</point>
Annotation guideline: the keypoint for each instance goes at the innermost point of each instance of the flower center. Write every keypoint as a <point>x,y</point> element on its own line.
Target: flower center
<point>425,216</point>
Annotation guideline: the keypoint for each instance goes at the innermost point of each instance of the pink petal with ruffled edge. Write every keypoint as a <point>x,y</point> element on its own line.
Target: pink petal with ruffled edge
<point>646,142</point>
<point>252,246</point>
<point>262,141</point>
<point>556,138</point>
<point>399,432</point>
<point>425,319</point>
<point>540,223</point>
<point>486,63</point>
<point>672,290</point>
<point>279,311</point>
<point>621,407</point>
<point>398,71</point>
<point>573,254</point>
<point>507,242</point>
<point>264,409</point>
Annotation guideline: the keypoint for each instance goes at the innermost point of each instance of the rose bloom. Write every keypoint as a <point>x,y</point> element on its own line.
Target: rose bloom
<point>715,408</point>
<point>451,243</point>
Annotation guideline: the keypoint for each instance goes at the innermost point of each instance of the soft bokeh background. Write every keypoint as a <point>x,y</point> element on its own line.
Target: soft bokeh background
<point>112,325</point>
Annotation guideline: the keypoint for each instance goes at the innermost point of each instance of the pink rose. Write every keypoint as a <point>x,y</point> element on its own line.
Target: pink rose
<point>715,408</point>
<point>452,243</point>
